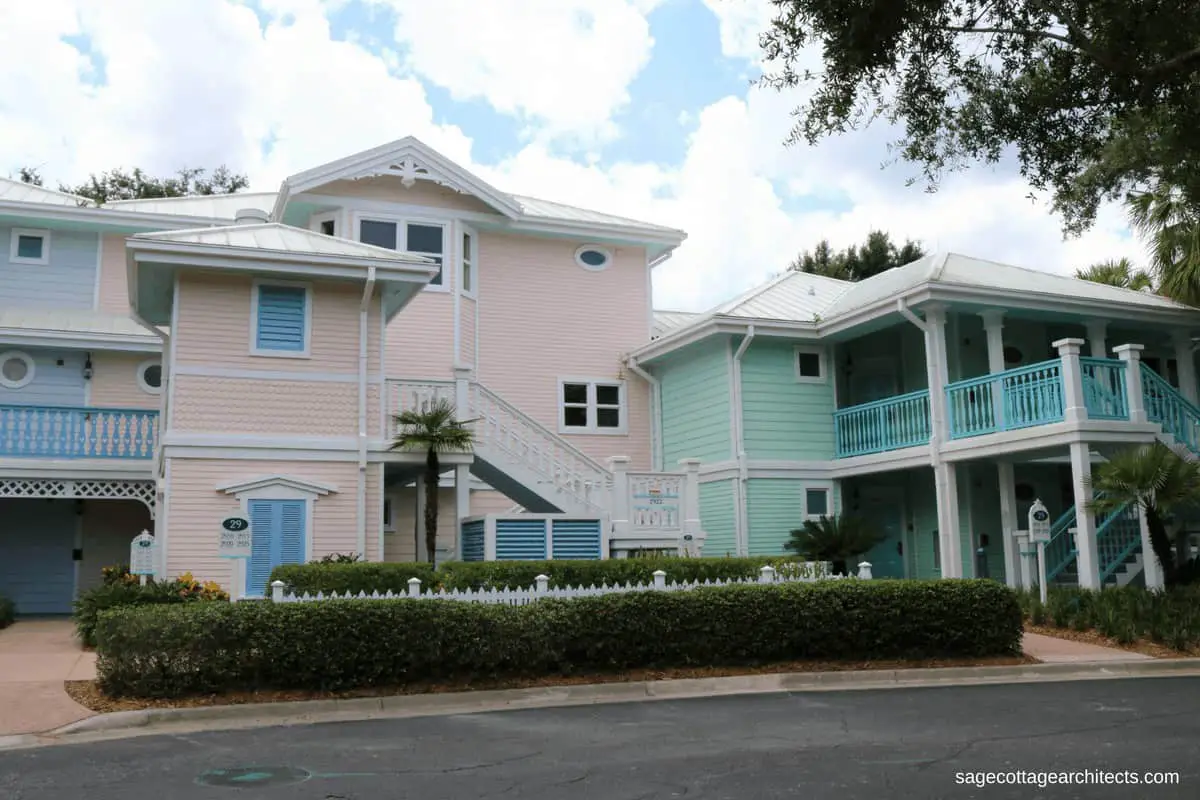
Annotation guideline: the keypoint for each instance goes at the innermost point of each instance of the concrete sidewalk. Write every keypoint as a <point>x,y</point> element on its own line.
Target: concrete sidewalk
<point>1052,650</point>
<point>36,656</point>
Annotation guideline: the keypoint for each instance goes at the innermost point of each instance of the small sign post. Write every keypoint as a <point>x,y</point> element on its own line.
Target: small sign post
<point>142,555</point>
<point>235,541</point>
<point>1039,533</point>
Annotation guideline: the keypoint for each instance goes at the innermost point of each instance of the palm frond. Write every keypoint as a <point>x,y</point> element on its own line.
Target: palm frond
<point>434,428</point>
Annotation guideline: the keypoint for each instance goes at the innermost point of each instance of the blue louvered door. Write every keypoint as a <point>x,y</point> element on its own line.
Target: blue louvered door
<point>277,537</point>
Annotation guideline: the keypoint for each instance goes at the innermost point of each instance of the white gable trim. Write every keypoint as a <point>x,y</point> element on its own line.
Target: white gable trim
<point>408,159</point>
<point>276,484</point>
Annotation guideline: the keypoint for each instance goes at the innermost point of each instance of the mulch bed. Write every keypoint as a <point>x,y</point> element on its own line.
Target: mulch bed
<point>88,694</point>
<point>1143,646</point>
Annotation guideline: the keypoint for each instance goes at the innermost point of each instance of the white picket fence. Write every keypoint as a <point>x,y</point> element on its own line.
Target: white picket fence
<point>808,572</point>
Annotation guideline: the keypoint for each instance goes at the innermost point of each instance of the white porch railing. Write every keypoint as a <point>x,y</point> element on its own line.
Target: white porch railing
<point>806,572</point>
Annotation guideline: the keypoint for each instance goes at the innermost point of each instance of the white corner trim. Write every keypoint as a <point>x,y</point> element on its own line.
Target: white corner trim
<point>15,240</point>
<point>30,369</point>
<point>272,485</point>
<point>308,317</point>
<point>141,376</point>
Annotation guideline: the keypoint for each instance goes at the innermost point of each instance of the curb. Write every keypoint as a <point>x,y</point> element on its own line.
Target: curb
<point>144,722</point>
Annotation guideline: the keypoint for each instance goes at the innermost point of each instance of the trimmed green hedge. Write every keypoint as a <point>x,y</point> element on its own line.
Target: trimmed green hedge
<point>343,644</point>
<point>372,576</point>
<point>120,589</point>
<point>8,612</point>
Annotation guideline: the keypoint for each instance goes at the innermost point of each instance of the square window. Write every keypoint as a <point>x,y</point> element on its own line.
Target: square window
<point>808,364</point>
<point>592,407</point>
<point>380,234</point>
<point>608,417</point>
<point>575,393</point>
<point>608,395</point>
<point>575,416</point>
<point>328,227</point>
<point>28,246</point>
<point>816,502</point>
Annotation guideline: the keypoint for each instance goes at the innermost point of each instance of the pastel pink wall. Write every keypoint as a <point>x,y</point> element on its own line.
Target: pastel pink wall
<point>114,381</point>
<point>114,293</point>
<point>467,328</point>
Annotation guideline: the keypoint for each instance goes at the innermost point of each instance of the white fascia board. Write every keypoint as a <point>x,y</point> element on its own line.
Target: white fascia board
<point>698,331</point>
<point>314,266</point>
<point>73,340</point>
<point>106,216</point>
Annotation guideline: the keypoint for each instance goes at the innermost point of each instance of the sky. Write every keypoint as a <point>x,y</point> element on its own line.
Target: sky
<point>642,108</point>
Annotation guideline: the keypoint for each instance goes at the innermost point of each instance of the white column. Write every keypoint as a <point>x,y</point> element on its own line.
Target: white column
<point>1187,366</point>
<point>1097,330</point>
<point>462,382</point>
<point>1151,569</point>
<point>1085,523</point>
<point>936,372</point>
<point>622,522</point>
<point>1074,408</point>
<point>1009,522</point>
<point>1024,551</point>
<point>944,475</point>
<point>1131,354</point>
<point>462,503</point>
<point>691,505</point>
<point>945,479</point>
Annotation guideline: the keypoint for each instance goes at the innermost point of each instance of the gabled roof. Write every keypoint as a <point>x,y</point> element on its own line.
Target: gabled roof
<point>214,206</point>
<point>20,192</point>
<point>535,208</point>
<point>408,159</point>
<point>263,481</point>
<point>669,320</point>
<point>284,239</point>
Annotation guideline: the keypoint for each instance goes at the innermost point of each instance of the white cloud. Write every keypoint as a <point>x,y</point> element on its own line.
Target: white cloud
<point>741,22</point>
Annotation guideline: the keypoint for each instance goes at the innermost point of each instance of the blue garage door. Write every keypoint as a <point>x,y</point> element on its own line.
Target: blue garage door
<point>36,540</point>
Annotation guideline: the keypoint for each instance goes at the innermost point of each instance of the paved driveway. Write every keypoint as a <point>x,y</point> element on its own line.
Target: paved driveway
<point>36,656</point>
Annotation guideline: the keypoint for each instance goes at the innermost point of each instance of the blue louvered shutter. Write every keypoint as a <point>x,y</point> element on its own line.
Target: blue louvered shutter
<point>291,543</point>
<point>282,313</point>
<point>263,524</point>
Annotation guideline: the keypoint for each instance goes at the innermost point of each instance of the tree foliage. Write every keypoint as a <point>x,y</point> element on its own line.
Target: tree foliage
<point>1096,97</point>
<point>876,254</point>
<point>136,184</point>
<point>1171,226</point>
<point>1120,273</point>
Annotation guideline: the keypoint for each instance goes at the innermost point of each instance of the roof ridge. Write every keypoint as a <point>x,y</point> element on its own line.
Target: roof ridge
<point>38,188</point>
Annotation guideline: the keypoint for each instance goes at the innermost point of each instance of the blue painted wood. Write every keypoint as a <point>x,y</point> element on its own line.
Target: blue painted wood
<point>53,384</point>
<point>68,281</point>
<point>575,538</point>
<point>473,541</point>
<point>36,570</point>
<point>45,432</point>
<point>1104,391</point>
<point>1168,408</point>
<point>1004,401</point>
<point>277,537</point>
<point>890,424</point>
<point>282,311</point>
<point>520,539</point>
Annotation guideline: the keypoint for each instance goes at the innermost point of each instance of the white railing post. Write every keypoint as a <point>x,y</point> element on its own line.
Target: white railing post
<point>693,532</point>
<point>864,570</point>
<point>1074,406</point>
<point>414,587</point>
<point>766,574</point>
<point>1131,357</point>
<point>660,579</point>
<point>277,591</point>
<point>619,507</point>
<point>462,384</point>
<point>543,583</point>
<point>489,537</point>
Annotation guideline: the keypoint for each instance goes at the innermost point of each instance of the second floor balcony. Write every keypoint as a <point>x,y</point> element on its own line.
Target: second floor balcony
<point>52,432</point>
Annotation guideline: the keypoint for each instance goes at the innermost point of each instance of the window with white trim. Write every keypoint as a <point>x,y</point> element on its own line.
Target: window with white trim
<point>591,406</point>
<point>280,320</point>
<point>16,369</point>
<point>593,257</point>
<point>29,246</point>
<point>325,224</point>
<point>816,503</point>
<point>467,258</point>
<point>420,238</point>
<point>810,364</point>
<point>149,375</point>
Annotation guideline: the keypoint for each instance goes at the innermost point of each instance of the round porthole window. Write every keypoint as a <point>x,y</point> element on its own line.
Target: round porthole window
<point>1012,355</point>
<point>16,369</point>
<point>593,257</point>
<point>150,376</point>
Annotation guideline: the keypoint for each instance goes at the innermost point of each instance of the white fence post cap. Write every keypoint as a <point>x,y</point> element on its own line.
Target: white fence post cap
<point>277,584</point>
<point>414,581</point>
<point>659,572</point>
<point>542,578</point>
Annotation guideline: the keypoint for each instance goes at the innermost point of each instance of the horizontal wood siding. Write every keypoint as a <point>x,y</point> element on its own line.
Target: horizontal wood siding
<point>784,418</point>
<point>490,501</point>
<point>543,317</point>
<point>114,280</point>
<point>775,507</point>
<point>420,339</point>
<point>53,384</point>
<point>68,281</point>
<point>114,381</point>
<point>717,518</point>
<point>467,348</point>
<point>695,403</point>
<point>401,543</point>
<point>195,507</point>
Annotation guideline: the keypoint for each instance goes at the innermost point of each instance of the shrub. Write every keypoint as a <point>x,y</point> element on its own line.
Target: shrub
<point>8,612</point>
<point>343,644</point>
<point>354,577</point>
<point>1126,614</point>
<point>122,589</point>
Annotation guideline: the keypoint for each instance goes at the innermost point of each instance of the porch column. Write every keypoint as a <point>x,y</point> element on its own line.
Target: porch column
<point>1131,355</point>
<point>462,503</point>
<point>1097,330</point>
<point>1088,558</point>
<point>1151,569</point>
<point>1074,407</point>
<point>945,478</point>
<point>993,326</point>
<point>1187,366</point>
<point>936,372</point>
<point>945,481</point>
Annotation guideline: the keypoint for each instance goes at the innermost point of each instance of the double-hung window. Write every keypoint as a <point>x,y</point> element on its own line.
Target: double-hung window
<point>587,406</point>
<point>281,320</point>
<point>420,238</point>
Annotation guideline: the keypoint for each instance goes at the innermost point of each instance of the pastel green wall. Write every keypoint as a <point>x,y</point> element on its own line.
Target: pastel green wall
<point>776,508</point>
<point>717,515</point>
<point>696,403</point>
<point>783,418</point>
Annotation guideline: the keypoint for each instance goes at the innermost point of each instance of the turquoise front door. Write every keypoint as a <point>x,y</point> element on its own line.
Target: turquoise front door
<point>883,509</point>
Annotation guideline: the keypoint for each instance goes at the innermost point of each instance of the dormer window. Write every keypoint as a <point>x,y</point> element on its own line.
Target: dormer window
<point>420,238</point>
<point>29,246</point>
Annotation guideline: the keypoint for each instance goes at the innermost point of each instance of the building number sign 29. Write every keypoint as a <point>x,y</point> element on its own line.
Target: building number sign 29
<point>235,541</point>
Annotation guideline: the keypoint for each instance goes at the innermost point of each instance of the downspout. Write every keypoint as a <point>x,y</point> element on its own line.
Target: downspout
<point>656,448</point>
<point>363,318</point>
<point>739,444</point>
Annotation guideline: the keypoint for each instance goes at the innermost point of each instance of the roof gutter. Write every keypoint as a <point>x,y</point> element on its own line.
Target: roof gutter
<point>363,326</point>
<point>739,445</point>
<point>907,313</point>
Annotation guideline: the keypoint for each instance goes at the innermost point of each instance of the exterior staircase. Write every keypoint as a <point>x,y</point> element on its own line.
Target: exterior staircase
<point>539,470</point>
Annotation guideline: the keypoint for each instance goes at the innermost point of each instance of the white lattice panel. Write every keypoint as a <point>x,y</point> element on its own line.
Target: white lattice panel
<point>49,488</point>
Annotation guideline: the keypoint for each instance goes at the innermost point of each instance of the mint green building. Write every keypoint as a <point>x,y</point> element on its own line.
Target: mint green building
<point>939,400</point>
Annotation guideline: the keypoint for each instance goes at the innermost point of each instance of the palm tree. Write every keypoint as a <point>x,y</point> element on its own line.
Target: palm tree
<point>436,430</point>
<point>1172,226</point>
<point>1163,481</point>
<point>834,539</point>
<point>1120,273</point>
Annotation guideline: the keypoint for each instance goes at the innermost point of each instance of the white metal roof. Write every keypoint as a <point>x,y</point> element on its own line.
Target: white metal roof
<point>86,322</point>
<point>280,238</point>
<point>798,296</point>
<point>669,320</point>
<point>213,206</point>
<point>20,192</point>
<point>533,207</point>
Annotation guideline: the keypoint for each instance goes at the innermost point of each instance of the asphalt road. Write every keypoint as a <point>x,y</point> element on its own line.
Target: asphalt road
<point>909,743</point>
